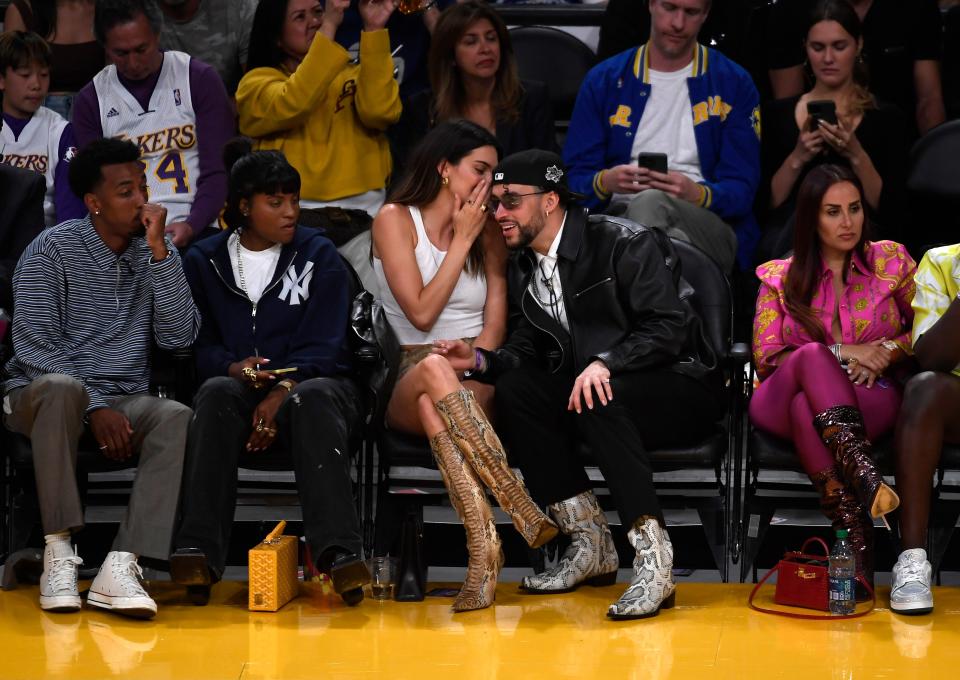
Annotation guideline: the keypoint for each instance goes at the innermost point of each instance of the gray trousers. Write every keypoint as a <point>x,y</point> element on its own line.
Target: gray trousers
<point>50,412</point>
<point>684,221</point>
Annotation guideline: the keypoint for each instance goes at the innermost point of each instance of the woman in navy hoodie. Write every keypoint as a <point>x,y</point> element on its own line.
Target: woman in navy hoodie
<point>273,295</point>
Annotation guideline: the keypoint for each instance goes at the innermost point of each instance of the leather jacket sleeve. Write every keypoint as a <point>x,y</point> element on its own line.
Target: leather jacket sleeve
<point>657,317</point>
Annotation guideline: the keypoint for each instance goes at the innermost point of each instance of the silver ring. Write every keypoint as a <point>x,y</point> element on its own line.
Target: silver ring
<point>606,380</point>
<point>104,447</point>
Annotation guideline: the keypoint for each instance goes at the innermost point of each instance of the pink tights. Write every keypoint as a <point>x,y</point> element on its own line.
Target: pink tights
<point>809,382</point>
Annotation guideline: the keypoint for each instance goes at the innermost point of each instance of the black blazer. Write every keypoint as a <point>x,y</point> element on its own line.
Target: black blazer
<point>21,220</point>
<point>534,129</point>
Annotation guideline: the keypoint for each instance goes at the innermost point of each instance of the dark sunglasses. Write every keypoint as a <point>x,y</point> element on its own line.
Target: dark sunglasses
<point>510,201</point>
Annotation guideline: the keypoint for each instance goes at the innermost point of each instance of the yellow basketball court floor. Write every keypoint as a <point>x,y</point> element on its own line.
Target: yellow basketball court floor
<point>710,634</point>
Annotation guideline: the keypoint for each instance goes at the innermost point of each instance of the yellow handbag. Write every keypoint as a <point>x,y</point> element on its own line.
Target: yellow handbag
<point>273,571</point>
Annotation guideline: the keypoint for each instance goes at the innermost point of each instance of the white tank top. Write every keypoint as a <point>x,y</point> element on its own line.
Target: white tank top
<point>166,132</point>
<point>462,316</point>
<point>37,149</point>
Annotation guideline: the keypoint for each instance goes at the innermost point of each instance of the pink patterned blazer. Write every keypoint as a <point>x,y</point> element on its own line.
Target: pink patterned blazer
<point>874,304</point>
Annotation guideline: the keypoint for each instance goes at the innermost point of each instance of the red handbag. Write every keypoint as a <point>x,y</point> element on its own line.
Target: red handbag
<point>803,581</point>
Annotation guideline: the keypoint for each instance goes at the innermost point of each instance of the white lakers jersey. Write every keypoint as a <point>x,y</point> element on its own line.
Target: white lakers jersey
<point>38,149</point>
<point>166,132</point>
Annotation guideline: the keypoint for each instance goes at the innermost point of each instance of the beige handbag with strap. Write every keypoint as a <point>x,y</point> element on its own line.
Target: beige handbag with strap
<point>273,571</point>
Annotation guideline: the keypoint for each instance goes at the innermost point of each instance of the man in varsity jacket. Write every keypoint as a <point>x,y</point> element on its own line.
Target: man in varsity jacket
<point>175,108</point>
<point>676,97</point>
<point>92,296</point>
<point>33,137</point>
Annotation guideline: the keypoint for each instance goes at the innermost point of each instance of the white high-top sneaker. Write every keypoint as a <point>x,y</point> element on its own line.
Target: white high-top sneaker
<point>58,583</point>
<point>651,588</point>
<point>591,556</point>
<point>117,587</point>
<point>910,590</point>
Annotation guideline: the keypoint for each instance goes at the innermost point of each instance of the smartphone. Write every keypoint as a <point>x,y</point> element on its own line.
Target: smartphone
<point>822,109</point>
<point>654,161</point>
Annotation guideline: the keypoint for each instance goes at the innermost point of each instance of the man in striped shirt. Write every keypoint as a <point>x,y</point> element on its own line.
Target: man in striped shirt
<point>90,297</point>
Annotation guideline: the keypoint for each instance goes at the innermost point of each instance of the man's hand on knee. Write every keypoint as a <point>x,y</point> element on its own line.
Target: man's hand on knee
<point>112,431</point>
<point>595,377</point>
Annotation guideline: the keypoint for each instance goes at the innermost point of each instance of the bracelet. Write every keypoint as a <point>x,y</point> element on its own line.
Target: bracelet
<point>479,357</point>
<point>836,352</point>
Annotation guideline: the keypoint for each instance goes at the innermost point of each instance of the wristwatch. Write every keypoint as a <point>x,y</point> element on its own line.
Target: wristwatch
<point>890,345</point>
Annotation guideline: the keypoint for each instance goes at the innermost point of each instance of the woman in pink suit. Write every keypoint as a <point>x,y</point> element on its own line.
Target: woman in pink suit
<point>832,322</point>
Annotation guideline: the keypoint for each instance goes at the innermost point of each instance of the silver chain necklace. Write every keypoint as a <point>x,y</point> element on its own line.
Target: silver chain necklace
<point>243,283</point>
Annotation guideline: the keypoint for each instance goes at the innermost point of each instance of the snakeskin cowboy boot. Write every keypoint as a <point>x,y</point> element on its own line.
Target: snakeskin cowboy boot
<point>841,429</point>
<point>485,558</point>
<point>844,511</point>
<point>481,447</point>
<point>590,558</point>
<point>651,588</point>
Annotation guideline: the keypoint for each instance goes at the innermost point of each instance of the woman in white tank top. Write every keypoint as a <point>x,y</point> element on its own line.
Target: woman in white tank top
<point>440,263</point>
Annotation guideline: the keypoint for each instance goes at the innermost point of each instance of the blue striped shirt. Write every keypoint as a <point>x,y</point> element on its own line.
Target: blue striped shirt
<point>84,311</point>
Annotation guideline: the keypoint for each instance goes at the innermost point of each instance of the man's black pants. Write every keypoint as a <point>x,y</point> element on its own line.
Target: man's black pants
<point>314,424</point>
<point>649,410</point>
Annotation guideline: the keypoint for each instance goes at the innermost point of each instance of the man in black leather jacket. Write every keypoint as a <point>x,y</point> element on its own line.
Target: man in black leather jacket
<point>602,351</point>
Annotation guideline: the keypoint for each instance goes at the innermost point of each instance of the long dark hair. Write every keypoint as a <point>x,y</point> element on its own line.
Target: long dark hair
<point>844,14</point>
<point>449,95</point>
<point>450,141</point>
<point>254,172</point>
<point>265,35</point>
<point>804,273</point>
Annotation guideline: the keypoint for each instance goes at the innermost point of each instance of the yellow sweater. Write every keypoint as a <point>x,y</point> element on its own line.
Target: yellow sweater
<point>328,117</point>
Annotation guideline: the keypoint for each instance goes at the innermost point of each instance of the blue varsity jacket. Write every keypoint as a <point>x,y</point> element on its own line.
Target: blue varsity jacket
<point>726,124</point>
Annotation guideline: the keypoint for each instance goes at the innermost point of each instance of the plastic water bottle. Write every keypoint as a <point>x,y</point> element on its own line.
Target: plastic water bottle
<point>842,571</point>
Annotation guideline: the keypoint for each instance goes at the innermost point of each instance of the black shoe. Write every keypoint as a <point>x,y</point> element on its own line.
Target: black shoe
<point>189,567</point>
<point>352,597</point>
<point>199,595</point>
<point>349,574</point>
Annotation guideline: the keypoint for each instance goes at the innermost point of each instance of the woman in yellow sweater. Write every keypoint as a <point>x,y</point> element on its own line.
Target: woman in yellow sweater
<point>305,97</point>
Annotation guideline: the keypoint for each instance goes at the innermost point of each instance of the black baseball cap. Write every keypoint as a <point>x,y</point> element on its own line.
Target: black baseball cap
<point>536,168</point>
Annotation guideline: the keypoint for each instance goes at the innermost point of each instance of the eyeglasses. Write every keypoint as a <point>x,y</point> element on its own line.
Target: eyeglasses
<point>510,201</point>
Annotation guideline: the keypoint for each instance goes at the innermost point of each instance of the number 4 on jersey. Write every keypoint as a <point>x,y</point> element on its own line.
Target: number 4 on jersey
<point>171,169</point>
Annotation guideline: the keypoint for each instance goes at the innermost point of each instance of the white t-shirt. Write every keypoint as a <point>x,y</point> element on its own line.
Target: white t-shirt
<point>258,267</point>
<point>667,125</point>
<point>545,282</point>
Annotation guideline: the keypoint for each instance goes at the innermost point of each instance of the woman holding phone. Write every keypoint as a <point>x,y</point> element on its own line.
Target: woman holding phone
<point>836,121</point>
<point>272,350</point>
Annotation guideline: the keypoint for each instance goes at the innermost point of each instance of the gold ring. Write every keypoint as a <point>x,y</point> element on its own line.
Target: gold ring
<point>248,372</point>
<point>483,208</point>
<point>270,431</point>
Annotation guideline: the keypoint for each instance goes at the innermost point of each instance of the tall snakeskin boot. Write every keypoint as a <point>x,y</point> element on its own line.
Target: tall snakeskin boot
<point>481,447</point>
<point>485,557</point>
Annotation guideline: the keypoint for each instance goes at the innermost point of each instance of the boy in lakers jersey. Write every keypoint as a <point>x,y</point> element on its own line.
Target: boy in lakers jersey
<point>33,137</point>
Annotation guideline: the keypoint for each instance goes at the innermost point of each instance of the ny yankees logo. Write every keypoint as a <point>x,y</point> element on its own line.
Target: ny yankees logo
<point>297,287</point>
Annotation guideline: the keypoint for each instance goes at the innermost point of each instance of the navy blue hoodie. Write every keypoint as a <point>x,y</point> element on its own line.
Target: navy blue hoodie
<point>300,320</point>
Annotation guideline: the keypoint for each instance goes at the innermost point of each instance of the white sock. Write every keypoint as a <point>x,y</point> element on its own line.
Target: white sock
<point>61,544</point>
